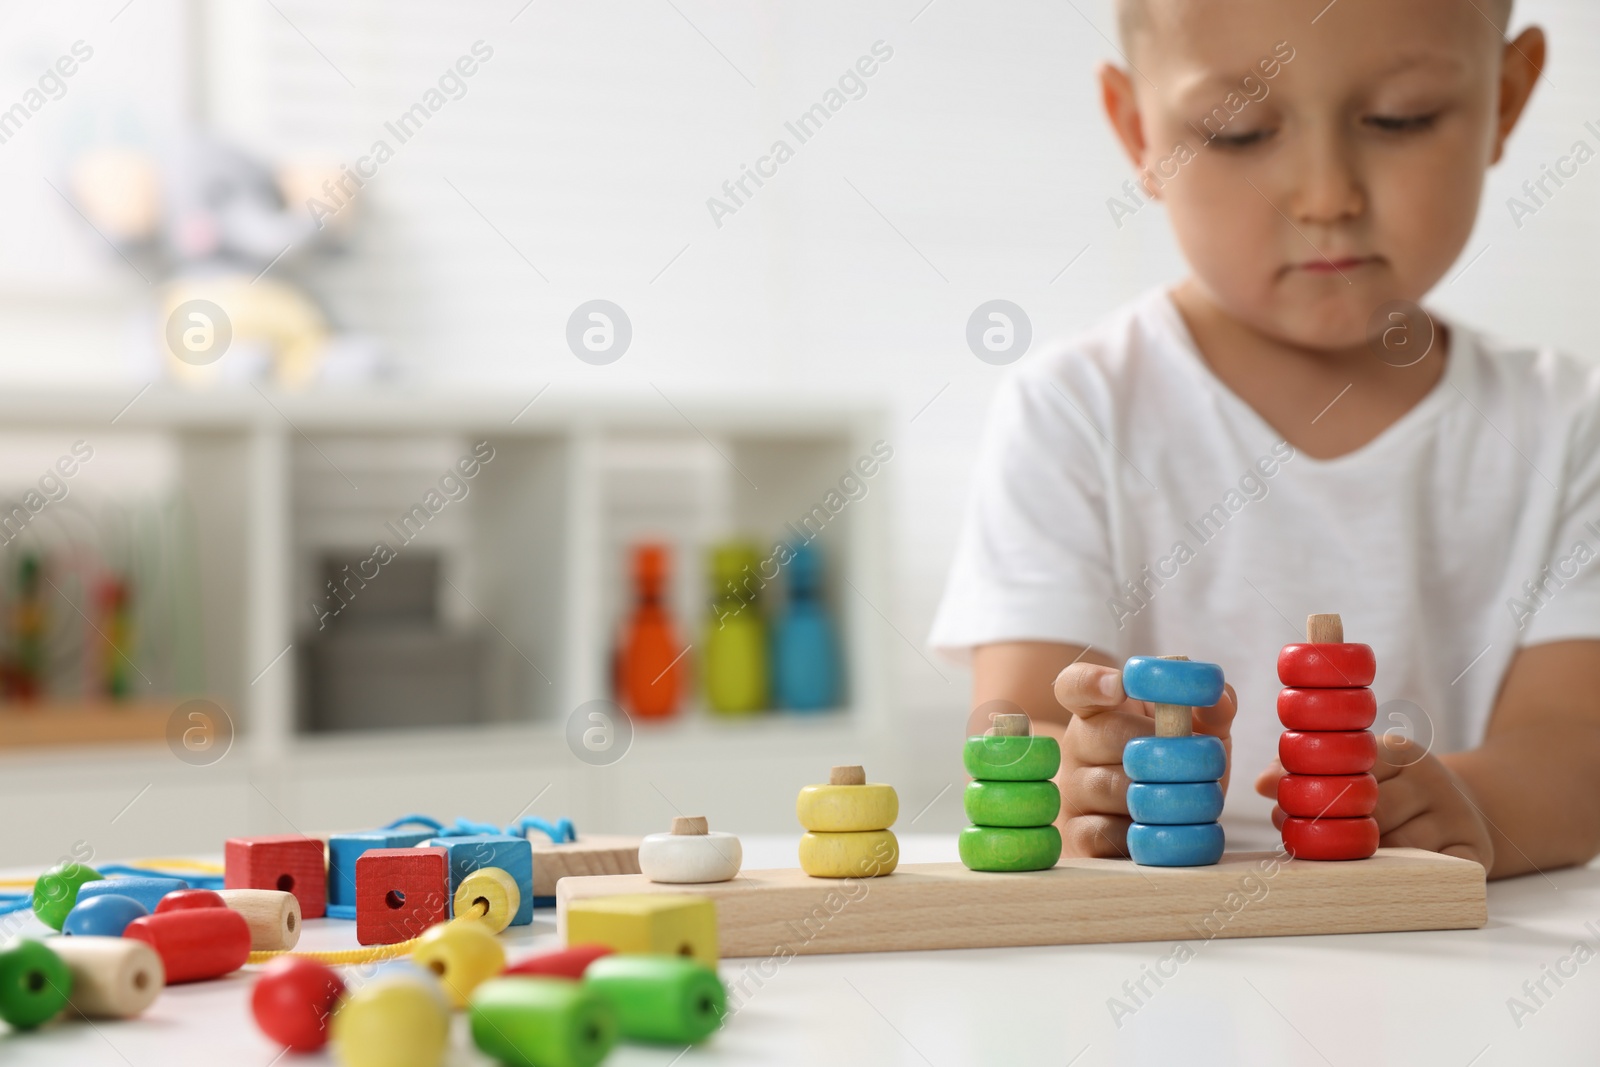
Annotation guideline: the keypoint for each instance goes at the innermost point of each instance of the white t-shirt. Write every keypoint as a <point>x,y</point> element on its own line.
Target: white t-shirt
<point>1126,499</point>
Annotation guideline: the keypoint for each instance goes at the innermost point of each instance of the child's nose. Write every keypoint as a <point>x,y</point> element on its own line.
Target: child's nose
<point>1327,186</point>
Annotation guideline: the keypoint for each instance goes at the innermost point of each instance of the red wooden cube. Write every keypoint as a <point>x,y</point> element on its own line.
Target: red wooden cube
<point>400,892</point>
<point>288,863</point>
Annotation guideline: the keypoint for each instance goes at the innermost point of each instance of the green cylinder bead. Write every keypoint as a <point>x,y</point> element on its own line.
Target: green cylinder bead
<point>660,998</point>
<point>542,1022</point>
<point>56,891</point>
<point>34,985</point>
<point>1004,848</point>
<point>1012,803</point>
<point>1011,759</point>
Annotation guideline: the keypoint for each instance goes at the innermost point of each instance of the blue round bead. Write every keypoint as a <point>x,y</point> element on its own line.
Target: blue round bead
<point>1197,758</point>
<point>1174,804</point>
<point>1172,681</point>
<point>106,915</point>
<point>1175,846</point>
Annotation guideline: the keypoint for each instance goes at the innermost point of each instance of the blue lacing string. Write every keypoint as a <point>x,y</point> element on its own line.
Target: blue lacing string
<point>559,832</point>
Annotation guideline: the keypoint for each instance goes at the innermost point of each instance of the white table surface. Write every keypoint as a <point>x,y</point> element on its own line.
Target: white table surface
<point>1366,999</point>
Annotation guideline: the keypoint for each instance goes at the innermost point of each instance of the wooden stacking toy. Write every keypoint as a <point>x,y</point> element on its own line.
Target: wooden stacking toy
<point>847,823</point>
<point>112,977</point>
<point>691,854</point>
<point>1328,793</point>
<point>1175,790</point>
<point>1012,799</point>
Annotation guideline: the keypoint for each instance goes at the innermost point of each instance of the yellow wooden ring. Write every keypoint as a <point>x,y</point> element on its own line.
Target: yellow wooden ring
<point>865,854</point>
<point>491,894</point>
<point>840,809</point>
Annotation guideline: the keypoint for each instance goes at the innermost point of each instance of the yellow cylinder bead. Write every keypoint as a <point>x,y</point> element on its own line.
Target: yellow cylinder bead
<point>398,1019</point>
<point>491,895</point>
<point>865,854</point>
<point>462,955</point>
<point>841,809</point>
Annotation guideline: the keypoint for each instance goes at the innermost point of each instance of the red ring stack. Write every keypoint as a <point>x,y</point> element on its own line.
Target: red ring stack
<point>1328,794</point>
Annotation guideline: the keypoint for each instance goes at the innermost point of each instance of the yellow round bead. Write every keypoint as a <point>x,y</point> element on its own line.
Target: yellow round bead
<point>865,854</point>
<point>395,1020</point>
<point>843,809</point>
<point>462,955</point>
<point>491,895</point>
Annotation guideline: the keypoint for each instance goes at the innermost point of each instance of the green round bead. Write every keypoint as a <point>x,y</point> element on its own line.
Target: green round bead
<point>56,891</point>
<point>1012,803</point>
<point>34,984</point>
<point>1011,759</point>
<point>1008,848</point>
<point>542,1022</point>
<point>660,998</point>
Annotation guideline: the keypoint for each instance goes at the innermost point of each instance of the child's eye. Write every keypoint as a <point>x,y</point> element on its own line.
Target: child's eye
<point>1401,123</point>
<point>1242,140</point>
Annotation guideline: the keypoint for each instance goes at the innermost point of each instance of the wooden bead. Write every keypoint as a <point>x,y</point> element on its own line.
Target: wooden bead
<point>847,775</point>
<point>1012,803</point>
<point>563,963</point>
<point>399,1018</point>
<point>511,854</point>
<point>196,944</point>
<point>1327,752</point>
<point>490,895</point>
<point>288,863</point>
<point>690,825</point>
<point>1162,680</point>
<point>1330,839</point>
<point>1198,758</point>
<point>147,891</point>
<point>659,998</point>
<point>34,984</point>
<point>293,1000</point>
<point>863,854</point>
<point>189,898</point>
<point>543,1022</point>
<point>1175,846</point>
<point>841,809</point>
<point>461,955</point>
<point>273,916</point>
<point>1173,803</point>
<point>1334,796</point>
<point>400,892</point>
<point>56,891</point>
<point>112,977</point>
<point>996,848</point>
<point>106,915</point>
<point>345,849</point>
<point>690,859</point>
<point>1011,759</point>
<point>670,924</point>
<point>1327,709</point>
<point>1327,666</point>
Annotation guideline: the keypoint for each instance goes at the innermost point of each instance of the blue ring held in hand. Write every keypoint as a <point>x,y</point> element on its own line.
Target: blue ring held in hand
<point>1173,803</point>
<point>1175,846</point>
<point>1197,758</point>
<point>1191,683</point>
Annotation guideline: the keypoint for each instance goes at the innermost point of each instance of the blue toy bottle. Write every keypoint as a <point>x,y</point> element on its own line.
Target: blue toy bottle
<point>805,646</point>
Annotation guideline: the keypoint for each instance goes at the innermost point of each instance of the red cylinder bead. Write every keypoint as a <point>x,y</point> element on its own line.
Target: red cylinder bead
<point>195,943</point>
<point>1327,752</point>
<point>293,1000</point>
<point>1330,839</point>
<point>1327,709</point>
<point>184,899</point>
<point>567,963</point>
<point>1322,666</point>
<point>1328,796</point>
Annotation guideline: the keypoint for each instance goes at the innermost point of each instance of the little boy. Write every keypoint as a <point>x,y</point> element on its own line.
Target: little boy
<point>1284,433</point>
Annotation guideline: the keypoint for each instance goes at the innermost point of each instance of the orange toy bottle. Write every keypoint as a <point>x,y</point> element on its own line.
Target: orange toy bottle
<point>650,667</point>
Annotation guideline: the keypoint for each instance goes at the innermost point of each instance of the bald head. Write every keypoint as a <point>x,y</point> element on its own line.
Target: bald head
<point>1137,16</point>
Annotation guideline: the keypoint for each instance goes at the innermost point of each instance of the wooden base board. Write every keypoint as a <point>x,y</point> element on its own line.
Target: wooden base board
<point>1079,901</point>
<point>590,854</point>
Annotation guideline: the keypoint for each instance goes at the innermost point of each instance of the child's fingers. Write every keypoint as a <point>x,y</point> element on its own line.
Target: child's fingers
<point>1277,817</point>
<point>1099,741</point>
<point>1401,798</point>
<point>1435,833</point>
<point>1217,720</point>
<point>1095,791</point>
<point>1087,689</point>
<point>1396,752</point>
<point>1096,835</point>
<point>1267,781</point>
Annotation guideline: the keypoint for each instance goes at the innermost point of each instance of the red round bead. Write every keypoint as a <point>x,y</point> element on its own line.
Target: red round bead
<point>1328,796</point>
<point>189,898</point>
<point>1330,839</point>
<point>563,963</point>
<point>1327,752</point>
<point>1327,666</point>
<point>195,944</point>
<point>1327,709</point>
<point>293,1000</point>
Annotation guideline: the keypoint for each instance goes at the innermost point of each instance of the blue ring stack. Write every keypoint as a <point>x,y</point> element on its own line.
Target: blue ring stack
<point>1175,795</point>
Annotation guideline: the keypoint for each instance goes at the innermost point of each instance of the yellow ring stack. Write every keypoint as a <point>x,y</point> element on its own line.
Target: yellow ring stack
<point>847,823</point>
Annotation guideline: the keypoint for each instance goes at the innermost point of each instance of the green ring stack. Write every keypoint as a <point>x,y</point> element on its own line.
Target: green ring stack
<point>1012,801</point>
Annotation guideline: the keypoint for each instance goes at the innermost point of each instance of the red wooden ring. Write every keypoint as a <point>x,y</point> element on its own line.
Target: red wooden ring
<point>1327,709</point>
<point>1330,839</point>
<point>1328,796</point>
<point>1327,666</point>
<point>1327,751</point>
<point>195,943</point>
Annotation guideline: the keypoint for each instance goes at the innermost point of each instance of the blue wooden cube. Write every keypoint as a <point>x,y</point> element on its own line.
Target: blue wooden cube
<point>345,849</point>
<point>514,855</point>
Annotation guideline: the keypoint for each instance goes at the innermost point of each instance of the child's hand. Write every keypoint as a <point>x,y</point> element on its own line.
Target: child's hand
<point>1094,789</point>
<point>1421,803</point>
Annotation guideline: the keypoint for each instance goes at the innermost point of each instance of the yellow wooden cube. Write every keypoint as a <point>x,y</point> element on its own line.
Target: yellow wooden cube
<point>673,924</point>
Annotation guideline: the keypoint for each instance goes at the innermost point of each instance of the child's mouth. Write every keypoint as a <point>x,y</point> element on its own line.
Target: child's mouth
<point>1336,265</point>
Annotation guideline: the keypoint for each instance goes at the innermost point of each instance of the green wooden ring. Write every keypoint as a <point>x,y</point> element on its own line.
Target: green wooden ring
<point>1011,759</point>
<point>34,985</point>
<point>1006,848</point>
<point>660,998</point>
<point>1012,803</point>
<point>56,891</point>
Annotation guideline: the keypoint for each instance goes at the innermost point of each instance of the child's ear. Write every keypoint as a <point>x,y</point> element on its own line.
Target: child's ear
<point>1520,68</point>
<point>1122,109</point>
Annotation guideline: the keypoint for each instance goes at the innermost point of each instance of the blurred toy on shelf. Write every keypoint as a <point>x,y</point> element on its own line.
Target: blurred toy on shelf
<point>805,645</point>
<point>25,666</point>
<point>735,658</point>
<point>651,665</point>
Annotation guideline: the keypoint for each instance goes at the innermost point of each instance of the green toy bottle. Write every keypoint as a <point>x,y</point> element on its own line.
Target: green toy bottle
<point>736,635</point>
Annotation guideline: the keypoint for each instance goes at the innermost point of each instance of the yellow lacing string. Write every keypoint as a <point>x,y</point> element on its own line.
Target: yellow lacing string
<point>370,954</point>
<point>197,866</point>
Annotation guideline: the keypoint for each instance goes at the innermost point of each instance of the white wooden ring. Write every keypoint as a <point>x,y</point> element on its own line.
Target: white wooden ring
<point>686,859</point>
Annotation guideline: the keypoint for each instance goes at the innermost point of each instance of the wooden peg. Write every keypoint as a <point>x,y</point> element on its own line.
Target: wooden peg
<point>112,977</point>
<point>847,776</point>
<point>1324,630</point>
<point>1012,725</point>
<point>1173,720</point>
<point>273,915</point>
<point>690,826</point>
